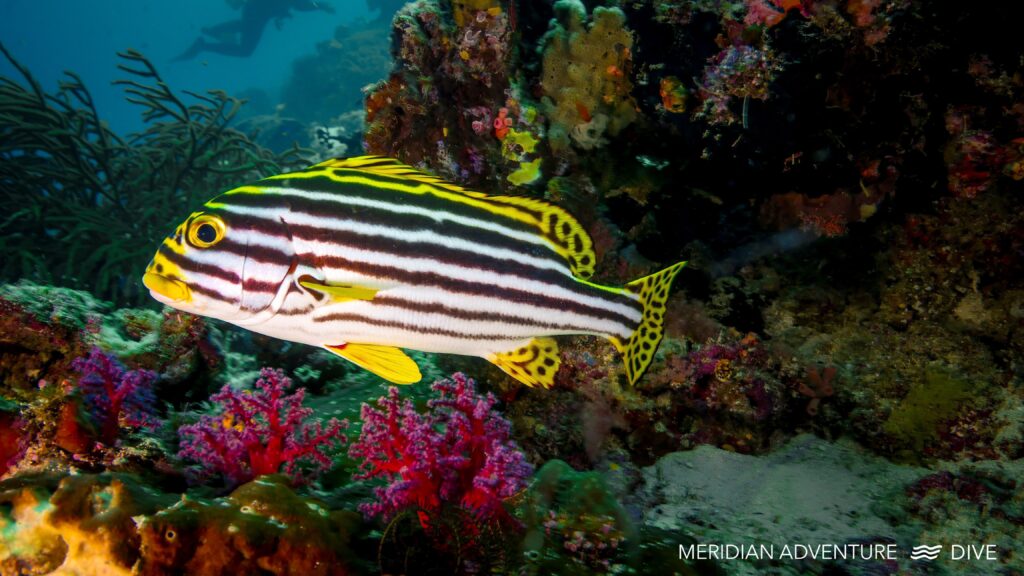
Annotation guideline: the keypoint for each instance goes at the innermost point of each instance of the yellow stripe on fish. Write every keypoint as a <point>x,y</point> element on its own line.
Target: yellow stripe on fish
<point>365,256</point>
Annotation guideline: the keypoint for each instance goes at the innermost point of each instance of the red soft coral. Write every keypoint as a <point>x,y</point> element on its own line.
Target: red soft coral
<point>459,453</point>
<point>259,433</point>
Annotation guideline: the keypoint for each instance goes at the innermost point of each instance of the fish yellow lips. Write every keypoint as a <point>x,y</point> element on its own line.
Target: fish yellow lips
<point>175,290</point>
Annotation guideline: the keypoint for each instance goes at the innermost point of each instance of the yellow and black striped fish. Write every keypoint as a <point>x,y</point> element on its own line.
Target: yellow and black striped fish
<point>365,256</point>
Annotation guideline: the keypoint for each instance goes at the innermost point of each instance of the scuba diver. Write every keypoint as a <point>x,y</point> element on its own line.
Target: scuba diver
<point>240,37</point>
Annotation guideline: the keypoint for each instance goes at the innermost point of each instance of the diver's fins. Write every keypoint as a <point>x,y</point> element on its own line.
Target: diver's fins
<point>194,50</point>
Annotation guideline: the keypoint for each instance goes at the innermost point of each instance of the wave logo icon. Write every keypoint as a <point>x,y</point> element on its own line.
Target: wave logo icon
<point>925,552</point>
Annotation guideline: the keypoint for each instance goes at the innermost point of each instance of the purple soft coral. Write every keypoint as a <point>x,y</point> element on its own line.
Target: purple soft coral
<point>258,432</point>
<point>114,396</point>
<point>460,452</point>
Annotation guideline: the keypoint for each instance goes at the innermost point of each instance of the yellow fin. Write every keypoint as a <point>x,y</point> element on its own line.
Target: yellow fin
<point>639,350</point>
<point>341,292</point>
<point>562,231</point>
<point>388,362</point>
<point>559,228</point>
<point>385,166</point>
<point>533,364</point>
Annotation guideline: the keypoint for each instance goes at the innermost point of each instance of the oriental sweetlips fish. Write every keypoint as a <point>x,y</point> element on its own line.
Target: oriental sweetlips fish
<point>365,256</point>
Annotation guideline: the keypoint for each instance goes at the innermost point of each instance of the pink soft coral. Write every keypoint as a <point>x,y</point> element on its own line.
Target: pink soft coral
<point>114,396</point>
<point>458,453</point>
<point>260,432</point>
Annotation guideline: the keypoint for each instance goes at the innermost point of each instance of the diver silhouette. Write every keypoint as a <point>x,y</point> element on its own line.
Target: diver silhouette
<point>240,37</point>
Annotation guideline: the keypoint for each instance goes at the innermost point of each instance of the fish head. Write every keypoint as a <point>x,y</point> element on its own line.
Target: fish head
<point>199,267</point>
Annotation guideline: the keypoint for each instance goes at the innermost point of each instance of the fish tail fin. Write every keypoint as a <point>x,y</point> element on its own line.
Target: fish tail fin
<point>653,291</point>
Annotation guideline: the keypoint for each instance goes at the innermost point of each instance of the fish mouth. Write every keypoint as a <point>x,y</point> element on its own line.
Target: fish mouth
<point>171,289</point>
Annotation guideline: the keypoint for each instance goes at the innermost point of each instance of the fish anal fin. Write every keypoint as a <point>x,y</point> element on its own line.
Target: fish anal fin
<point>340,292</point>
<point>388,362</point>
<point>534,363</point>
<point>652,291</point>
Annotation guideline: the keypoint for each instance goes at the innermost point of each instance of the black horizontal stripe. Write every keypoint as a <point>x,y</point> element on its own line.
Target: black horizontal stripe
<point>188,265</point>
<point>383,217</point>
<point>296,311</point>
<point>467,287</point>
<point>376,322</point>
<point>473,315</point>
<point>210,292</point>
<point>406,180</point>
<point>425,201</point>
<point>259,253</point>
<point>392,246</point>
<point>263,286</point>
<point>435,252</point>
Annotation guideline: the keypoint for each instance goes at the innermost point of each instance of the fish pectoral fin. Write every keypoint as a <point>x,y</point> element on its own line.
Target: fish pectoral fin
<point>533,364</point>
<point>340,292</point>
<point>388,362</point>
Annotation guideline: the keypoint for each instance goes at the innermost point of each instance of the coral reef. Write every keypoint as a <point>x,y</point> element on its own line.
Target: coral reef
<point>44,329</point>
<point>841,362</point>
<point>117,524</point>
<point>457,454</point>
<point>573,521</point>
<point>258,432</point>
<point>587,66</point>
<point>450,473</point>
<point>262,527</point>
<point>110,397</point>
<point>81,524</point>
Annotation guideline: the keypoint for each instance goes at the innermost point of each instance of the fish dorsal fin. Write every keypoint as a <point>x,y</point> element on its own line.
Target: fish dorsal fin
<point>384,166</point>
<point>561,230</point>
<point>388,362</point>
<point>565,234</point>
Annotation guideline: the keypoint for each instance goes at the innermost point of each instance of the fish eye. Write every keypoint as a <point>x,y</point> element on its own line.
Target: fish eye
<point>205,231</point>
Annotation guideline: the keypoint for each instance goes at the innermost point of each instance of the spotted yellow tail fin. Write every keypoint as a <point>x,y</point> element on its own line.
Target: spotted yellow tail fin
<point>639,350</point>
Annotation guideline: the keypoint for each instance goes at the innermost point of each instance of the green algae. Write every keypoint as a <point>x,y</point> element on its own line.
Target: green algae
<point>937,398</point>
<point>75,308</point>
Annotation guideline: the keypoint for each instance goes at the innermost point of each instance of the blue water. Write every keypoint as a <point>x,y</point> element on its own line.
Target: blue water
<point>50,36</point>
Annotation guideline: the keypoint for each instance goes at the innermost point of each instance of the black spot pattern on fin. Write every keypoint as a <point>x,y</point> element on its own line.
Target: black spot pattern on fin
<point>653,293</point>
<point>533,365</point>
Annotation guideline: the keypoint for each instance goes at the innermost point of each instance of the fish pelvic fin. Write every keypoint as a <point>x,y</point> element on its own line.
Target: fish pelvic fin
<point>388,362</point>
<point>653,292</point>
<point>534,363</point>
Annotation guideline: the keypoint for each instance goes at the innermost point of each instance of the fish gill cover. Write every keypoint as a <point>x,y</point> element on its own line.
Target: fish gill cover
<point>841,358</point>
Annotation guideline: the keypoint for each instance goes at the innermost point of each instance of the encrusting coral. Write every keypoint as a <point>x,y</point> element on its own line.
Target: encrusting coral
<point>587,66</point>
<point>115,524</point>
